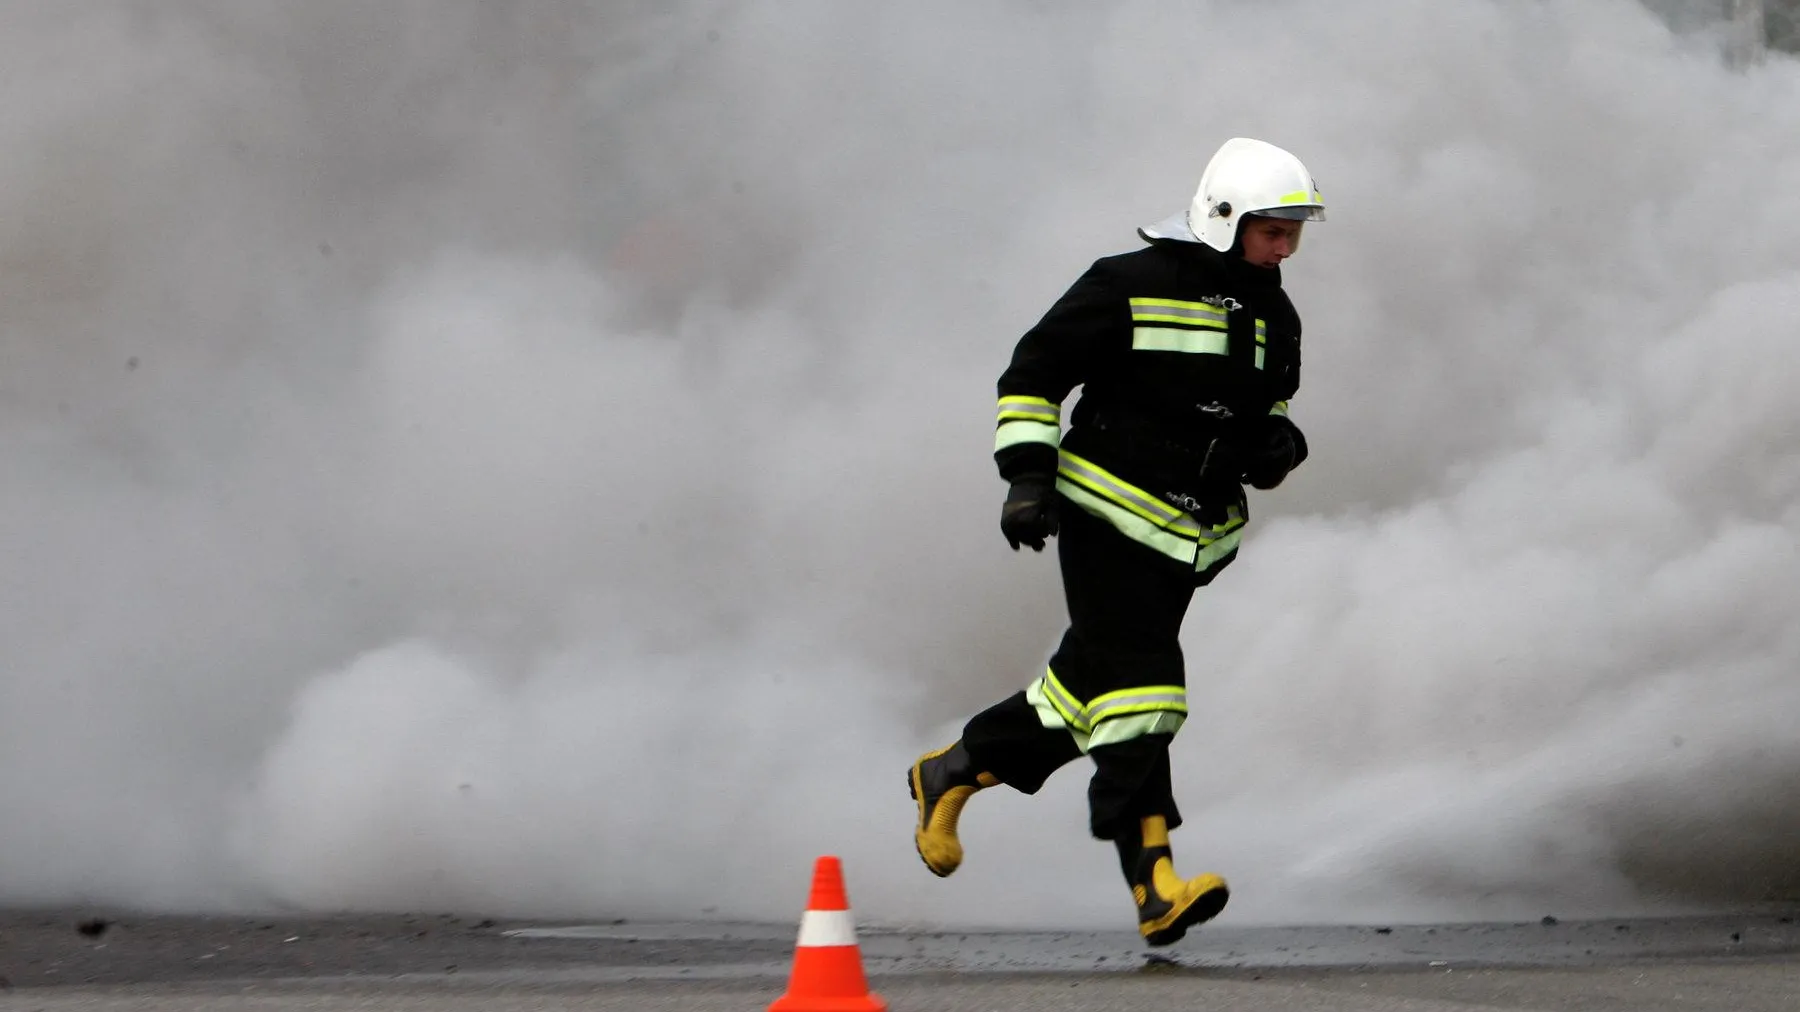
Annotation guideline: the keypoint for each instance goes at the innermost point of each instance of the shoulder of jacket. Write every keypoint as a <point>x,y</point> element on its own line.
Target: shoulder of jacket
<point>1156,252</point>
<point>1155,260</point>
<point>1282,300</point>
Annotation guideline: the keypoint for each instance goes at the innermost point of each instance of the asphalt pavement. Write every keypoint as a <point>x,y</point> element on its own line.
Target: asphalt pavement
<point>67,960</point>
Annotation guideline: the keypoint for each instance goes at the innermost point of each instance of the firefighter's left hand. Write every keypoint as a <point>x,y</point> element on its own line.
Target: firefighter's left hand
<point>1029,514</point>
<point>1280,449</point>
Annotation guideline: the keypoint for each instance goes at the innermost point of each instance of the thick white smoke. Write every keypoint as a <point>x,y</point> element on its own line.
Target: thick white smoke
<point>535,459</point>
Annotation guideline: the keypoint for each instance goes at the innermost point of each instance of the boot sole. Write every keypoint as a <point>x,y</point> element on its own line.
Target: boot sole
<point>1204,908</point>
<point>915,787</point>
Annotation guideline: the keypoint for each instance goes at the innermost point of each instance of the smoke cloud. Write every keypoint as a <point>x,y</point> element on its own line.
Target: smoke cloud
<point>536,458</point>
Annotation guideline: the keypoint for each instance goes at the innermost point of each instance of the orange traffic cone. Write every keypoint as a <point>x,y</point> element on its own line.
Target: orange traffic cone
<point>828,973</point>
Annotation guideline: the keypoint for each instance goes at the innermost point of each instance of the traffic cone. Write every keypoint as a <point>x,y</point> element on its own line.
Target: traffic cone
<point>828,973</point>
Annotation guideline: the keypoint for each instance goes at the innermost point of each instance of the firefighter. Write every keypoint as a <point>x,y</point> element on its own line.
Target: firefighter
<point>1187,352</point>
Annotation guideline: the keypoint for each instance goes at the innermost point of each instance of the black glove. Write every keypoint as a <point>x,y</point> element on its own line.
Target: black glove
<point>1268,458</point>
<point>1029,515</point>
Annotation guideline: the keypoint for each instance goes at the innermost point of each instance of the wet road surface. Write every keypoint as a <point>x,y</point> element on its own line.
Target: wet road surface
<point>73,960</point>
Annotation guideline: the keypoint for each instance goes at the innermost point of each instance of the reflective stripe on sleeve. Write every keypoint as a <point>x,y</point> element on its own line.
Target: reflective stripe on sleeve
<point>1014,433</point>
<point>1027,420</point>
<point>1032,409</point>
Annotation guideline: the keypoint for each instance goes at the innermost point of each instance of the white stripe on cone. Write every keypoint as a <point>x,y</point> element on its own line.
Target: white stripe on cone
<point>826,928</point>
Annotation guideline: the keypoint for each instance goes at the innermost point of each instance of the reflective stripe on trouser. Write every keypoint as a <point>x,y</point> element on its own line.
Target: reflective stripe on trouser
<point>1111,718</point>
<point>1130,779</point>
<point>1146,519</point>
<point>1027,420</point>
<point>1126,607</point>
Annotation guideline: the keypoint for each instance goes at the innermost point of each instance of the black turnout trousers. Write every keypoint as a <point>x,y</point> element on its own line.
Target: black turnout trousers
<point>1126,603</point>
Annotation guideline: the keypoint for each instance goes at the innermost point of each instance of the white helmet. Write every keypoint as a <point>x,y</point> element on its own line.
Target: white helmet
<point>1244,177</point>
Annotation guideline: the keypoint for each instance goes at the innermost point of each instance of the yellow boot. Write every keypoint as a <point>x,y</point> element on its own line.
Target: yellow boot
<point>942,782</point>
<point>1167,904</point>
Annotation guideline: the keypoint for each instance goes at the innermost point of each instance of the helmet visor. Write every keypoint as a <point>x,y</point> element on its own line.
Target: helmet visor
<point>1293,213</point>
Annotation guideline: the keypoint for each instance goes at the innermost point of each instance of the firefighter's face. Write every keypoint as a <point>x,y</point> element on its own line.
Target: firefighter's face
<point>1269,241</point>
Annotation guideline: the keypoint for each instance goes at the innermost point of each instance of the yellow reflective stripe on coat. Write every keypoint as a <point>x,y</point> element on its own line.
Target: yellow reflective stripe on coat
<point>1279,409</point>
<point>1107,485</point>
<point>1215,551</point>
<point>1139,516</point>
<point>1035,409</point>
<point>1195,314</point>
<point>1014,433</point>
<point>1187,340</point>
<point>1192,342</point>
<point>1129,524</point>
<point>1027,420</point>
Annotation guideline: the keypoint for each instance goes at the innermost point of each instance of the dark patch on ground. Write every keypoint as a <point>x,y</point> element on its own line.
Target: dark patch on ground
<point>40,948</point>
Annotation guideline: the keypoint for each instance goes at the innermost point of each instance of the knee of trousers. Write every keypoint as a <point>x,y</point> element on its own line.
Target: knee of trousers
<point>1092,669</point>
<point>1010,741</point>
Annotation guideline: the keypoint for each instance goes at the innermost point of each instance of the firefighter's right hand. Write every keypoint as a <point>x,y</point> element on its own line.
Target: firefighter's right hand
<point>1029,515</point>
